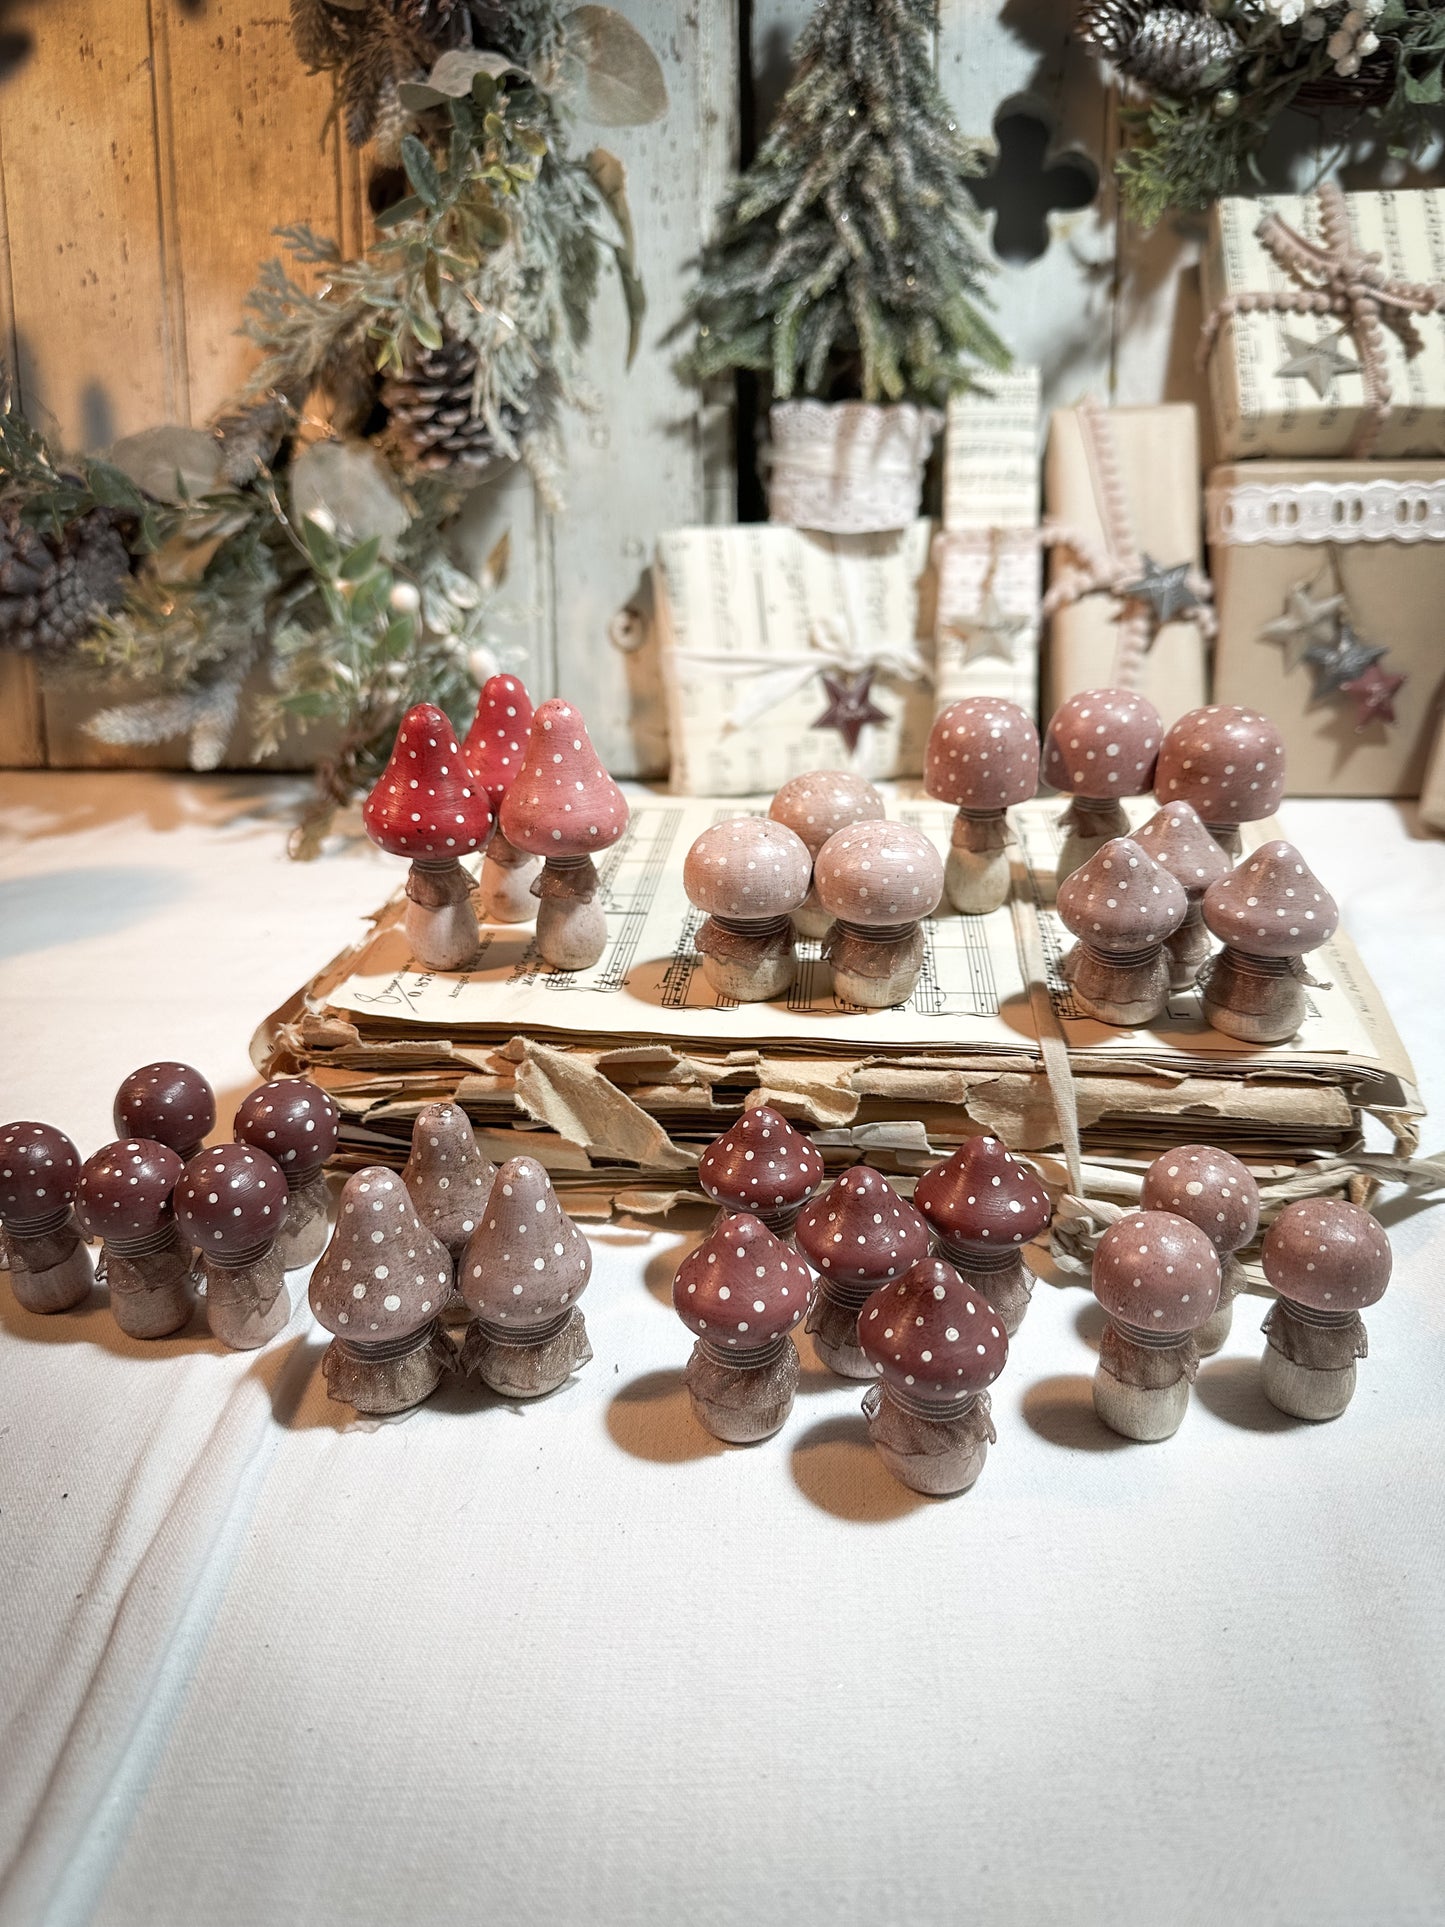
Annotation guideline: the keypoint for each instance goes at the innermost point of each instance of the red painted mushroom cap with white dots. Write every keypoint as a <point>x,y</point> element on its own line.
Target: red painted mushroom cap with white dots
<point>982,1195</point>
<point>1158,1272</point>
<point>1103,743</point>
<point>526,1263</point>
<point>497,739</point>
<point>879,875</point>
<point>168,1102</point>
<point>1272,905</point>
<point>1210,1188</point>
<point>447,1176</point>
<point>860,1232</point>
<point>426,804</point>
<point>292,1120</point>
<point>1177,840</point>
<point>383,1275</point>
<point>760,1163</point>
<point>563,802</point>
<point>983,754</point>
<point>1227,761</point>
<point>39,1172</point>
<point>231,1199</point>
<point>1327,1254</point>
<point>742,1287</point>
<point>125,1189</point>
<point>821,802</point>
<point>749,868</point>
<point>932,1335</point>
<point>1121,900</point>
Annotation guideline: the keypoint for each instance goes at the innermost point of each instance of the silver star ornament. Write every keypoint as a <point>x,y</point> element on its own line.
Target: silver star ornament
<point>1317,362</point>
<point>1309,622</point>
<point>1341,661</point>
<point>1166,591</point>
<point>991,631</point>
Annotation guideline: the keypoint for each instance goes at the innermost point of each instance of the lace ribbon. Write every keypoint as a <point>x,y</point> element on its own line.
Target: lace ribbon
<point>1245,514</point>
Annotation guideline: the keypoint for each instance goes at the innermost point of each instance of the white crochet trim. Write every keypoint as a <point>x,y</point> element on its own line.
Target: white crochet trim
<point>1284,513</point>
<point>852,468</point>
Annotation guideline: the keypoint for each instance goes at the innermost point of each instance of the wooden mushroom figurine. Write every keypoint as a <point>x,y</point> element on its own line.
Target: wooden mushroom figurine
<point>814,807</point>
<point>1268,914</point>
<point>564,807</point>
<point>748,875</point>
<point>1216,1192</point>
<point>378,1288</point>
<point>1122,907</point>
<point>877,881</point>
<point>167,1103</point>
<point>40,1241</point>
<point>1327,1260</point>
<point>983,756</point>
<point>446,1176</point>
<point>937,1345</point>
<point>983,1207</point>
<point>1157,1277</point>
<point>1100,746</point>
<point>524,1268</point>
<point>295,1122</point>
<point>231,1202</point>
<point>858,1236</point>
<point>741,1292</point>
<point>1228,762</point>
<point>1178,841</point>
<point>427,807</point>
<point>763,1166</point>
<point>494,748</point>
<point>125,1200</point>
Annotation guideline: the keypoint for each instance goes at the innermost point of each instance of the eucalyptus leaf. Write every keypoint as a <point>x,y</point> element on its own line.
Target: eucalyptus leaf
<point>353,488</point>
<point>421,171</point>
<point>616,75</point>
<point>171,463</point>
<point>452,77</point>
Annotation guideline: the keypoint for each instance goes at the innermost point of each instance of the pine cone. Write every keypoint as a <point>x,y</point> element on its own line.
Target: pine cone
<point>432,419</point>
<point>52,588</point>
<point>1166,49</point>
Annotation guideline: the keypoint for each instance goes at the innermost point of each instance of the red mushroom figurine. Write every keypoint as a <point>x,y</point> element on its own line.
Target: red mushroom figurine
<point>1100,746</point>
<point>1178,841</point>
<point>741,1292</point>
<point>761,1165</point>
<point>983,756</point>
<point>125,1200</point>
<point>231,1203</point>
<point>1122,907</point>
<point>494,748</point>
<point>1216,1192</point>
<point>524,1268</point>
<point>1327,1260</point>
<point>1228,762</point>
<point>878,881</point>
<point>748,875</point>
<point>1157,1277</point>
<point>295,1122</point>
<point>858,1236</point>
<point>983,1207</point>
<point>1268,914</point>
<point>168,1103</point>
<point>815,806</point>
<point>40,1243</point>
<point>446,1176</point>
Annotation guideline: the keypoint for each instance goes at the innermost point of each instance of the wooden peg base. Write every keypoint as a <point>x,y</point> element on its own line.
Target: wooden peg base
<point>810,919</point>
<point>1303,1392</point>
<point>1115,991</point>
<point>938,1457</point>
<point>442,936</point>
<point>741,1404</point>
<point>834,1331</point>
<point>1216,1327</point>
<point>504,889</point>
<point>750,982</point>
<point>381,1387</point>
<point>571,932</point>
<point>1188,949</point>
<point>1256,1006</point>
<point>43,1281</point>
<point>514,1369</point>
<point>976,881</point>
<point>247,1305</point>
<point>1143,1412</point>
<point>307,1209</point>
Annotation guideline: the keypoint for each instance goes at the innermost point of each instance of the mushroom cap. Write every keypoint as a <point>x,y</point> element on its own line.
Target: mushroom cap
<point>446,1176</point>
<point>1210,1188</point>
<point>1177,839</point>
<point>983,1196</point>
<point>1272,905</point>
<point>526,1262</point>
<point>497,739</point>
<point>879,875</point>
<point>1327,1254</point>
<point>1227,761</point>
<point>39,1171</point>
<point>562,802</point>
<point>760,1163</point>
<point>292,1120</point>
<point>818,804</point>
<point>426,804</point>
<point>860,1231</point>
<point>230,1199</point>
<point>983,754</point>
<point>1158,1271</point>
<point>125,1189</point>
<point>750,868</point>
<point>1121,900</point>
<point>742,1287</point>
<point>167,1102</point>
<point>383,1275</point>
<point>1103,744</point>
<point>932,1335</point>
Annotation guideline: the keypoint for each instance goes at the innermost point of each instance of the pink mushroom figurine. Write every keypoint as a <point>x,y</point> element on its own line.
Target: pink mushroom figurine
<point>1157,1277</point>
<point>524,1268</point>
<point>1214,1191</point>
<point>446,1176</point>
<point>231,1203</point>
<point>294,1121</point>
<point>1122,907</point>
<point>40,1243</point>
<point>494,748</point>
<point>983,1207</point>
<point>1327,1260</point>
<point>125,1200</point>
<point>749,875</point>
<point>814,807</point>
<point>1178,841</point>
<point>1100,747</point>
<point>858,1236</point>
<point>168,1103</point>
<point>1268,914</point>
<point>1229,763</point>
<point>741,1292</point>
<point>878,881</point>
<point>983,756</point>
<point>763,1166</point>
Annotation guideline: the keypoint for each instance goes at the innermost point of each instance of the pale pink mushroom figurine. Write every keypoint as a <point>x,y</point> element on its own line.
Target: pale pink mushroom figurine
<point>1327,1260</point>
<point>1157,1277</point>
<point>763,1166</point>
<point>878,882</point>
<point>748,875</point>
<point>564,807</point>
<point>494,748</point>
<point>231,1203</point>
<point>524,1268</point>
<point>816,806</point>
<point>446,1176</point>
<point>49,1265</point>
<point>1100,746</point>
<point>298,1124</point>
<point>1214,1191</point>
<point>857,1236</point>
<point>1268,914</point>
<point>983,756</point>
<point>125,1200</point>
<point>1178,841</point>
<point>741,1292</point>
<point>1228,762</point>
<point>983,1207</point>
<point>1122,907</point>
<point>168,1103</point>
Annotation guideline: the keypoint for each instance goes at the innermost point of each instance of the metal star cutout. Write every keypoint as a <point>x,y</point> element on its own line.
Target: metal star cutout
<point>1340,661</point>
<point>1373,695</point>
<point>1308,622</point>
<point>1317,362</point>
<point>992,632</point>
<point>850,707</point>
<point>1166,591</point>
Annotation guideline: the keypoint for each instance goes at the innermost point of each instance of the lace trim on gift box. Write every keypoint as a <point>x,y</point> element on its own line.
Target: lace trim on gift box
<point>850,467</point>
<point>1284,513</point>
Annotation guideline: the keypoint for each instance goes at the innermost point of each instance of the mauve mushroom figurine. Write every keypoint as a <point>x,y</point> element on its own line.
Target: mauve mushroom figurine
<point>1229,763</point>
<point>1327,1260</point>
<point>1214,1191</point>
<point>814,807</point>
<point>563,806</point>
<point>1157,1277</point>
<point>742,1291</point>
<point>446,1176</point>
<point>1100,747</point>
<point>877,881</point>
<point>294,1121</point>
<point>125,1200</point>
<point>231,1202</point>
<point>1122,907</point>
<point>749,875</point>
<point>983,1206</point>
<point>168,1103</point>
<point>1178,841</point>
<point>857,1236</point>
<point>524,1268</point>
<point>378,1287</point>
<point>937,1344</point>
<point>763,1166</point>
<point>983,756</point>
<point>494,748</point>
<point>428,807</point>
<point>1268,913</point>
<point>40,1242</point>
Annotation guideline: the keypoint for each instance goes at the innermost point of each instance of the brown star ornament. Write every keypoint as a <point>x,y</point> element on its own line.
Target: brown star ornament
<point>1373,693</point>
<point>850,707</point>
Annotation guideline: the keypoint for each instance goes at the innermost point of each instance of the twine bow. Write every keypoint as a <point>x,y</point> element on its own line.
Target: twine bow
<point>834,644</point>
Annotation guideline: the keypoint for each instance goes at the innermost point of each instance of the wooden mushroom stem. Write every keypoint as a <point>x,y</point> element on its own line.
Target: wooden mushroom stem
<point>780,1219</point>
<point>1125,988</point>
<point>936,1449</point>
<point>1141,1386</point>
<point>392,1376</point>
<point>504,889</point>
<point>440,924</point>
<point>875,967</point>
<point>246,1300</point>
<point>747,958</point>
<point>571,924</point>
<point>48,1261</point>
<point>1308,1369</point>
<point>740,1396</point>
<point>1226,835</point>
<point>833,1324</point>
<point>977,875</point>
<point>149,1281</point>
<point>1189,947</point>
<point>1001,1276</point>
<point>979,831</point>
<point>308,1202</point>
<point>1258,999</point>
<point>527,1361</point>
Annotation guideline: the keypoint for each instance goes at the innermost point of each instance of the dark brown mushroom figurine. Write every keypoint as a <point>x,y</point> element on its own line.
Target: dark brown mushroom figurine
<point>761,1165</point>
<point>983,1207</point>
<point>231,1202</point>
<point>125,1200</point>
<point>1178,841</point>
<point>1327,1260</point>
<point>379,1287</point>
<point>295,1122</point>
<point>857,1236</point>
<point>1268,914</point>
<point>937,1344</point>
<point>742,1291</point>
<point>748,875</point>
<point>1216,1192</point>
<point>40,1241</point>
<point>524,1268</point>
<point>446,1176</point>
<point>1157,1277</point>
<point>1122,907</point>
<point>1100,746</point>
<point>983,756</point>
<point>1228,762</point>
<point>815,806</point>
<point>494,748</point>
<point>168,1103</point>
<point>428,807</point>
<point>877,881</point>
